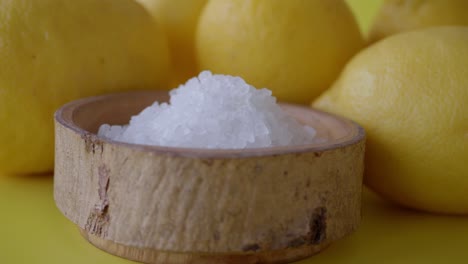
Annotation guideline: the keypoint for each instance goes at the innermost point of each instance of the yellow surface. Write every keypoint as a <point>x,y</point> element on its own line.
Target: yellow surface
<point>365,11</point>
<point>33,231</point>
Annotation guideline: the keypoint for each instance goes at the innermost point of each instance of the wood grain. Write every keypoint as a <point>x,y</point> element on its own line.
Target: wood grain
<point>181,205</point>
<point>149,255</point>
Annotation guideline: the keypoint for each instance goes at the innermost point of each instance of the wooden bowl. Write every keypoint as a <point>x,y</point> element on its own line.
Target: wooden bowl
<point>176,205</point>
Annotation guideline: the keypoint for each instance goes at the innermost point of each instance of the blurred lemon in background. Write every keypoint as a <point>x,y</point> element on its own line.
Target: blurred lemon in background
<point>296,48</point>
<point>54,51</point>
<point>403,15</point>
<point>410,93</point>
<point>179,20</point>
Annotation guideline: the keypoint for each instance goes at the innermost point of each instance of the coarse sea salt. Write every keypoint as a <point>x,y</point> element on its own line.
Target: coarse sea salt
<point>216,112</point>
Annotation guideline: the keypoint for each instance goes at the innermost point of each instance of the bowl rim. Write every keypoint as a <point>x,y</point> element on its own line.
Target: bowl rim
<point>63,116</point>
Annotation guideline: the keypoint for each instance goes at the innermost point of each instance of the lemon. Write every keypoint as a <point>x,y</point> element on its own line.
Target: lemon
<point>54,51</point>
<point>179,19</point>
<point>404,15</point>
<point>296,48</point>
<point>410,93</point>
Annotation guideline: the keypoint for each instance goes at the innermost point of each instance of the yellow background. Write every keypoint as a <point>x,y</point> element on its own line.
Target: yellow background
<point>365,11</point>
<point>32,230</point>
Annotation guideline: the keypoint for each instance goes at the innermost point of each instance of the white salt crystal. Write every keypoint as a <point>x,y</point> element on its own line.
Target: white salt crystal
<point>213,111</point>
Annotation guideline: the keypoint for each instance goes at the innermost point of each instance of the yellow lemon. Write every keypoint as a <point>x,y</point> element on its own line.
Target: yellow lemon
<point>404,15</point>
<point>296,48</point>
<point>53,51</point>
<point>179,19</point>
<point>410,93</point>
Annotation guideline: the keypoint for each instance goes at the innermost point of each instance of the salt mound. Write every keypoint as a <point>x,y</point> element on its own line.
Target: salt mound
<point>213,111</point>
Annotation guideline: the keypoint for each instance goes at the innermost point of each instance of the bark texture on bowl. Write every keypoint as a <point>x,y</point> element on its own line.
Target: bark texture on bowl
<point>263,205</point>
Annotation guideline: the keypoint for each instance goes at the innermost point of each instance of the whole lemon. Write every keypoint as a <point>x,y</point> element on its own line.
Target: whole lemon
<point>410,93</point>
<point>404,15</point>
<point>54,51</point>
<point>296,48</point>
<point>179,19</point>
